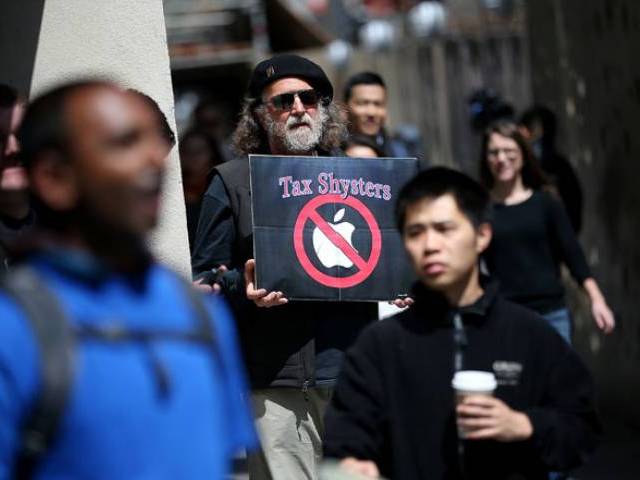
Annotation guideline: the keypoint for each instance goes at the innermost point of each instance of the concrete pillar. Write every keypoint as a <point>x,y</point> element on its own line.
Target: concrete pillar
<point>122,40</point>
<point>19,32</point>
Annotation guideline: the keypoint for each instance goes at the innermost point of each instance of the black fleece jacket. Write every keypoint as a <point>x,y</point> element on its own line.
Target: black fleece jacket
<point>394,403</point>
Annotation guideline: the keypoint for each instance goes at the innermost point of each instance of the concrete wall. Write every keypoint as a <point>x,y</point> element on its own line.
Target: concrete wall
<point>119,39</point>
<point>584,64</point>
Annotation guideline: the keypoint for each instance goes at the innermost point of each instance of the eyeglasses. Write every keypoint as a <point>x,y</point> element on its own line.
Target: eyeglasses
<point>285,101</point>
<point>509,152</point>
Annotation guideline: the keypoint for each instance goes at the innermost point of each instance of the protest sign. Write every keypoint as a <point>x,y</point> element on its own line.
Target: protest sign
<point>324,227</point>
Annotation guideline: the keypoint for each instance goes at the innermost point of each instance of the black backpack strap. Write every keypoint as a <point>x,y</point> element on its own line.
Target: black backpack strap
<point>202,333</point>
<point>204,325</point>
<point>55,341</point>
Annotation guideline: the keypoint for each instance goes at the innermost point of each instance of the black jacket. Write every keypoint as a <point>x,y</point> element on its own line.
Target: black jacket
<point>394,403</point>
<point>564,177</point>
<point>11,233</point>
<point>300,344</point>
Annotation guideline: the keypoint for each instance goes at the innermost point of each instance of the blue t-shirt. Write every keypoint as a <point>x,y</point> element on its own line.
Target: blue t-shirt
<point>119,423</point>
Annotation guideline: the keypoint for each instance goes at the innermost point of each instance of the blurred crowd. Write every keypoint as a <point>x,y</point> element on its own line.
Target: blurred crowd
<point>112,366</point>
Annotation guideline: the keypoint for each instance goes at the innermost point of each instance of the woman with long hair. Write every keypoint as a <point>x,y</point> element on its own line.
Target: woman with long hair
<point>532,235</point>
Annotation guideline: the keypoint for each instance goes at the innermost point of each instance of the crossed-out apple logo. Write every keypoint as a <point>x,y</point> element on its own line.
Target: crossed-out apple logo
<point>328,254</point>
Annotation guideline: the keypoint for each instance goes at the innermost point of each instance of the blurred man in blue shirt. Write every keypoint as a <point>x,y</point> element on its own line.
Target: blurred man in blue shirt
<point>154,391</point>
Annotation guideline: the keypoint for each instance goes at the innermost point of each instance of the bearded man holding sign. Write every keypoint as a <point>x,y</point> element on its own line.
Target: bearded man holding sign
<point>293,352</point>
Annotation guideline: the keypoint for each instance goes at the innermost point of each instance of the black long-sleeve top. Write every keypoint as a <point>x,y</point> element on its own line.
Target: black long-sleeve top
<point>530,241</point>
<point>394,403</point>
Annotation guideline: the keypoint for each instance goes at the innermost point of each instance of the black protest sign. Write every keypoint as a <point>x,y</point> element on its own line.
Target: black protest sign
<point>324,229</point>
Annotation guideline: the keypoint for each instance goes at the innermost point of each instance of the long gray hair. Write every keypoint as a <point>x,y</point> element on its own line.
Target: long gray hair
<point>250,137</point>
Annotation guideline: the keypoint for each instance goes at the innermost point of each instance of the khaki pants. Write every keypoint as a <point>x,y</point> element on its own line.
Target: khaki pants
<point>290,425</point>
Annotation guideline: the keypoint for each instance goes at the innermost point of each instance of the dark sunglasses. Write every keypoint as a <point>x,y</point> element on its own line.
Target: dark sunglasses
<point>285,101</point>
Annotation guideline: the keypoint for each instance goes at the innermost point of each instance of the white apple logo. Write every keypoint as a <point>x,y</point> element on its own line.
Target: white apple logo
<point>328,254</point>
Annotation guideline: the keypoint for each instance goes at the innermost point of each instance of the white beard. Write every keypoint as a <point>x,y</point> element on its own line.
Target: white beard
<point>295,139</point>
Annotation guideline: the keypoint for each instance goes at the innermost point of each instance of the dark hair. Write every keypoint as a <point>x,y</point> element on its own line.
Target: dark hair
<point>472,199</point>
<point>249,136</point>
<point>545,117</point>
<point>167,131</point>
<point>197,132</point>
<point>358,139</point>
<point>486,107</point>
<point>362,78</point>
<point>8,96</point>
<point>44,126</point>
<point>532,175</point>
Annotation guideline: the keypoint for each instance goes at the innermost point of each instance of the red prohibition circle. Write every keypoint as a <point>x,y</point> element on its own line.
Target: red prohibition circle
<point>366,267</point>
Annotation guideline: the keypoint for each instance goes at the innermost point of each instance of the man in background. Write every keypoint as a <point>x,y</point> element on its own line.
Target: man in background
<point>16,216</point>
<point>539,125</point>
<point>365,96</point>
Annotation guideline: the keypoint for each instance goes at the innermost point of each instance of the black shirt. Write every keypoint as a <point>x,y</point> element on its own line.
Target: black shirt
<point>564,177</point>
<point>11,232</point>
<point>530,241</point>
<point>214,238</point>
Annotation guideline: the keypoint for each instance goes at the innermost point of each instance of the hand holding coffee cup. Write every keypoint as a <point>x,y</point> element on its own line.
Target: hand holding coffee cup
<point>472,383</point>
<point>481,416</point>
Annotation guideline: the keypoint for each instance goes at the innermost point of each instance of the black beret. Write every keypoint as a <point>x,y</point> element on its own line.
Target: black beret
<point>288,65</point>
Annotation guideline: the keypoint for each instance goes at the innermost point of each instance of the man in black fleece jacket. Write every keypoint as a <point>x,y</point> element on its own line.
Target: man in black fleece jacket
<point>393,412</point>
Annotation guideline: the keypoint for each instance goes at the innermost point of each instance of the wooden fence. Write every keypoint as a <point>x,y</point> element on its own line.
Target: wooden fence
<point>429,84</point>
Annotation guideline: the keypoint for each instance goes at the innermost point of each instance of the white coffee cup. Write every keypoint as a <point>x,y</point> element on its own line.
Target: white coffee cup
<point>472,382</point>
